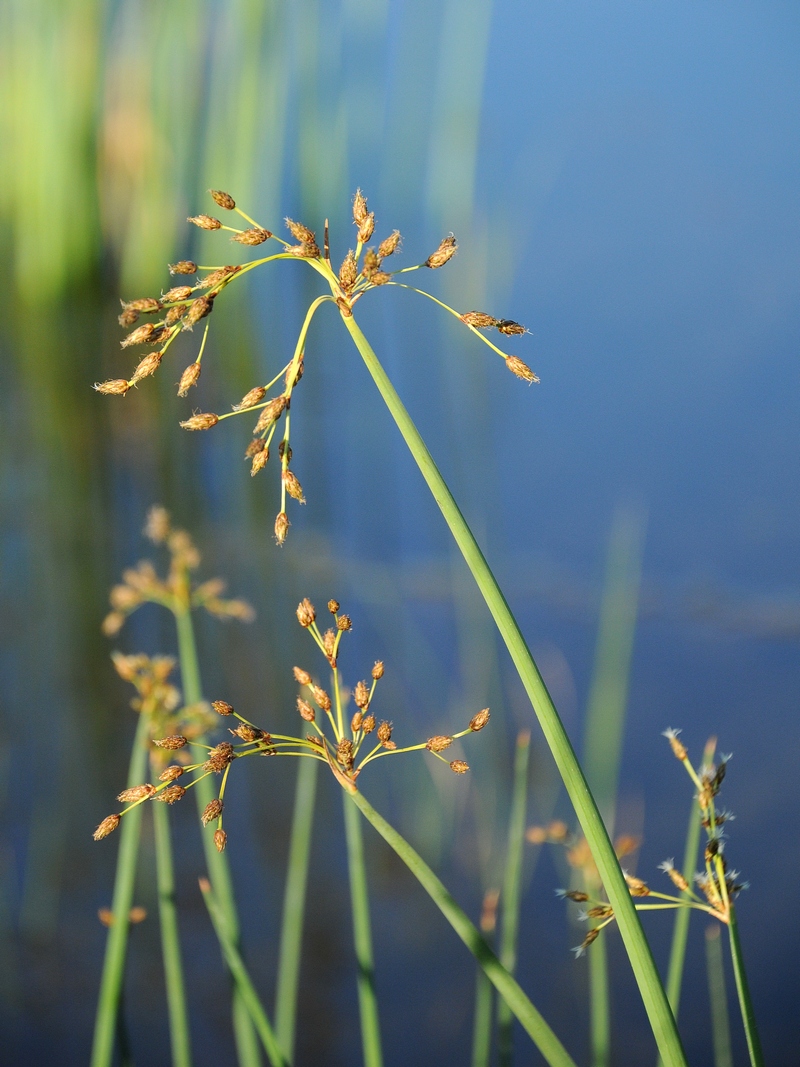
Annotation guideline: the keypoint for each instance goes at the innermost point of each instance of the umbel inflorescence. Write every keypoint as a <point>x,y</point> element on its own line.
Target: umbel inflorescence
<point>184,306</point>
<point>346,741</point>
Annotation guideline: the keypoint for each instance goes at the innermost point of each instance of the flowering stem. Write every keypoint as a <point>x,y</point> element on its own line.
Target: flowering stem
<point>108,1004</point>
<point>743,991</point>
<point>507,986</point>
<point>650,987</point>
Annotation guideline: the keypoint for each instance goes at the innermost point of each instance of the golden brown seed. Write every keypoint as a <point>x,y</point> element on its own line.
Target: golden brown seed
<point>321,697</point>
<point>385,732</point>
<point>222,707</point>
<point>141,335</point>
<point>170,774</point>
<point>271,413</point>
<point>113,387</point>
<point>314,740</point>
<point>217,276</point>
<point>344,753</point>
<point>677,879</point>
<point>348,272</point>
<point>601,911</point>
<point>171,795</point>
<point>479,320</point>
<point>260,460</point>
<point>329,643</point>
<point>371,262</point>
<point>212,811</point>
<point>301,676</point>
<point>677,746</point>
<point>219,757</point>
<point>438,743</point>
<point>201,421</point>
<point>306,612</point>
<point>255,236</point>
<point>128,317</point>
<point>458,766</point>
<point>224,200</point>
<point>446,250</point>
<point>175,314</point>
<point>477,722</point>
<point>637,887</point>
<point>198,309</point>
<point>282,525</point>
<point>255,446</point>
<point>302,233</point>
<point>305,709</point>
<point>220,840</point>
<point>172,742</point>
<point>136,792</point>
<point>522,370</point>
<point>367,228</point>
<point>248,733</point>
<point>293,486</point>
<point>186,266</point>
<point>355,722</point>
<point>577,896</point>
<point>359,207</point>
<point>361,695</point>
<point>389,246</point>
<point>380,277</point>
<point>333,606</point>
<point>149,365</point>
<point>106,827</point>
<point>344,622</point>
<point>306,250</point>
<point>252,397</point>
<point>146,304</point>
<point>377,670</point>
<point>179,292</point>
<point>368,725</point>
<point>294,372</point>
<point>205,222</point>
<point>510,328</point>
<point>590,938</point>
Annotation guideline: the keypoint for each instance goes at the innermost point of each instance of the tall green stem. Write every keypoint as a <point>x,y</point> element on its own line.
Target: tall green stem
<point>362,935</point>
<point>294,902</point>
<point>108,1005</point>
<point>170,941</point>
<point>505,984</point>
<point>482,1026</point>
<point>217,863</point>
<point>718,999</point>
<point>511,894</point>
<point>650,987</point>
<point>743,991</point>
<point>599,1005</point>
<point>680,931</point>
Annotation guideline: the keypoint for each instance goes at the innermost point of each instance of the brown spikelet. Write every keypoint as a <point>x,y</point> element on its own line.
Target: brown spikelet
<point>438,743</point>
<point>147,305</point>
<point>509,327</point>
<point>367,228</point>
<point>198,309</point>
<point>136,792</point>
<point>219,757</point>
<point>293,486</point>
<point>226,201</point>
<point>348,272</point>
<point>389,245</point>
<point>282,525</point>
<point>128,316</point>
<point>458,766</point>
<point>172,742</point>
<point>171,795</point>
<point>446,250</point>
<point>294,372</point>
<point>305,709</point>
<point>321,697</point>
<point>306,612</point>
<point>185,266</point>
<point>301,677</point>
<point>368,724</point>
<point>477,722</point>
<point>175,314</point>
<point>385,732</point>
<point>254,236</point>
<point>678,748</point>
<point>301,233</point>
<point>600,911</point>
<point>637,887</point>
<point>171,773</point>
<point>359,207</point>
<point>179,292</point>
<point>140,336</point>
<point>306,250</point>
<point>361,695</point>
<point>377,670</point>
<point>251,398</point>
<point>220,840</point>
<point>260,460</point>
<point>213,810</point>
<point>344,753</point>
<point>271,413</point>
<point>333,606</point>
<point>520,369</point>
<point>201,421</point>
<point>255,446</point>
<point>676,877</point>
<point>371,262</point>
<point>479,320</point>
<point>380,277</point>
<point>216,277</point>
<point>106,827</point>
<point>205,222</point>
<point>149,365</point>
<point>222,707</point>
<point>577,895</point>
<point>355,722</point>
<point>113,387</point>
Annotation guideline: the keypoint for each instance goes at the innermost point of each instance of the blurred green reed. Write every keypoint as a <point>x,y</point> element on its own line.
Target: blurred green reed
<point>718,999</point>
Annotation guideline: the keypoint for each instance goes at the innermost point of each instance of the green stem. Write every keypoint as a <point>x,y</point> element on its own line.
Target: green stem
<point>482,1028</point>
<point>599,1008</point>
<point>644,968</point>
<point>294,907</point>
<point>505,984</point>
<point>511,893</point>
<point>743,991</point>
<point>244,985</point>
<point>170,941</point>
<point>108,1005</point>
<point>362,935</point>
<point>718,999</point>
<point>680,931</point>
<point>217,863</point>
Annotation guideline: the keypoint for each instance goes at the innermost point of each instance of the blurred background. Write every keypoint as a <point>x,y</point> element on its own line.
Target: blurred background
<point>622,178</point>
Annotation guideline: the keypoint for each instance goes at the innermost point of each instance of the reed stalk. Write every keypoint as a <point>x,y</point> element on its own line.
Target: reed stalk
<point>362,936</point>
<point>482,1025</point>
<point>109,1001</point>
<point>718,999</point>
<point>294,901</point>
<point>511,894</point>
<point>743,992</point>
<point>651,989</point>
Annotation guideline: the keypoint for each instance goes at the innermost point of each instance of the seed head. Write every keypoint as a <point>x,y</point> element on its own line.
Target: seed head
<point>389,246</point>
<point>438,743</point>
<point>509,327</point>
<point>371,262</point>
<point>458,766</point>
<point>446,250</point>
<point>171,773</point>
<point>302,233</point>
<point>175,314</point>
<point>222,707</point>
<point>361,695</point>
<point>304,251</point>
<point>248,733</point>
<point>573,894</point>
<point>377,670</point>
<point>591,936</point>
<point>205,222</point>
<point>520,369</point>
<point>185,266</point>
<point>344,622</point>
<point>380,277</point>
<point>368,724</point>
<point>302,677</point>
<point>333,606</point>
<point>271,413</point>
<point>359,207</point>
<point>329,643</point>
<point>212,811</point>
<point>224,200</point>
<point>201,421</point>
<point>366,228</point>
<point>282,525</point>
<point>256,445</point>
<point>306,612</point>
<point>293,486</point>
<point>129,316</point>
<point>348,272</point>
<point>219,757</point>
<point>113,387</point>
<point>179,292</point>
<point>254,236</point>
<point>344,753</point>
<point>171,795</point>
<point>172,742</point>
<point>479,319</point>
<point>106,827</point>
<point>294,372</point>
<point>637,887</point>
<point>147,305</point>
<point>306,711</point>
<point>260,460</point>
<point>149,365</point>
<point>251,398</point>
<point>220,840</point>
<point>216,277</point>
<point>668,867</point>
<point>137,792</point>
<point>141,335</point>
<point>477,722</point>
<point>355,722</point>
<point>198,309</point>
<point>677,746</point>
<point>321,697</point>
<point>385,732</point>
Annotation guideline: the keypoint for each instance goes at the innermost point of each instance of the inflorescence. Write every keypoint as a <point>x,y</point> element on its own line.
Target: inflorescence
<point>714,888</point>
<point>184,306</point>
<point>346,746</point>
